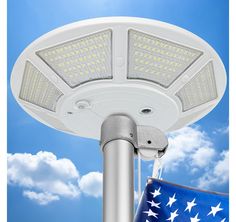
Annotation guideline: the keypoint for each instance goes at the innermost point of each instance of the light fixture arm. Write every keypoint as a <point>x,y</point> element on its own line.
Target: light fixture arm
<point>121,139</point>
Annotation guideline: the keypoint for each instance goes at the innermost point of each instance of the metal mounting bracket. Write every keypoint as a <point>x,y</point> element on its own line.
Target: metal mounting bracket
<point>150,142</point>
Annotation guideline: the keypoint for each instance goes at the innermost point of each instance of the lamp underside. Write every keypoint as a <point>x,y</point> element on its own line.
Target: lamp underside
<point>74,77</point>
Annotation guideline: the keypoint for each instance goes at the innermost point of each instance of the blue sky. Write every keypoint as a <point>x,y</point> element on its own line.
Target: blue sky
<point>27,20</point>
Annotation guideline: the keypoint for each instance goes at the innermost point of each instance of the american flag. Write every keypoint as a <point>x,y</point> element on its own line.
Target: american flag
<point>163,201</point>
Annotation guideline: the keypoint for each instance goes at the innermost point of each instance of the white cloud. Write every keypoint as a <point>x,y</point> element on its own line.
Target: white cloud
<point>188,146</point>
<point>222,130</point>
<point>218,175</point>
<point>45,178</point>
<point>136,197</point>
<point>91,184</point>
<point>52,178</point>
<point>40,198</point>
<point>192,148</point>
<point>203,156</point>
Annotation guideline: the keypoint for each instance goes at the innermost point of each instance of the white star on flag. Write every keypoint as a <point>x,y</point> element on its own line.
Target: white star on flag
<point>163,201</point>
<point>153,204</point>
<point>195,219</point>
<point>190,205</point>
<point>173,215</point>
<point>150,213</point>
<point>214,210</point>
<point>171,200</point>
<point>156,193</point>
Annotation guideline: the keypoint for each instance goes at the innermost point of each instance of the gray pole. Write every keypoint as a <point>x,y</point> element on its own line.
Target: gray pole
<point>118,132</point>
<point>118,185</point>
<point>120,139</point>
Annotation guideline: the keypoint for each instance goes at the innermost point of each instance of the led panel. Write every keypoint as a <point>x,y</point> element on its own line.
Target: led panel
<point>81,60</point>
<point>158,60</point>
<point>37,89</point>
<point>200,89</point>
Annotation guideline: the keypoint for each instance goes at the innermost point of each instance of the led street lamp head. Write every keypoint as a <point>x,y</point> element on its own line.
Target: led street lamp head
<point>125,81</point>
<point>76,76</point>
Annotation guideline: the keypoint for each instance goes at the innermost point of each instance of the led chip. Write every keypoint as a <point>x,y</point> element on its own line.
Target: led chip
<point>200,89</point>
<point>158,60</point>
<point>37,89</point>
<point>81,60</point>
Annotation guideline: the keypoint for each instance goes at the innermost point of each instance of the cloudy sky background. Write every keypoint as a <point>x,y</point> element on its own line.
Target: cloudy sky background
<point>53,176</point>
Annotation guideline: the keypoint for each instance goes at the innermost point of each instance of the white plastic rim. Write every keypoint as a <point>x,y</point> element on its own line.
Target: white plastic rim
<point>82,109</point>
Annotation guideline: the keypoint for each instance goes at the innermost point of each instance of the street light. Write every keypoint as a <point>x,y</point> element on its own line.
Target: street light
<point>123,81</point>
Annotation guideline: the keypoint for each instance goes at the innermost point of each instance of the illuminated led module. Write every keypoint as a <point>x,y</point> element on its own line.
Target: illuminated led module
<point>81,60</point>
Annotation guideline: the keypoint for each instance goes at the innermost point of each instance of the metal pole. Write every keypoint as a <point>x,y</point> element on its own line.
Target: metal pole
<point>120,139</point>
<point>118,188</point>
<point>117,136</point>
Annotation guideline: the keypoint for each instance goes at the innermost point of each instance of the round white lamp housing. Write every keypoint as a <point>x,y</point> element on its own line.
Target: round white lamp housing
<point>74,77</point>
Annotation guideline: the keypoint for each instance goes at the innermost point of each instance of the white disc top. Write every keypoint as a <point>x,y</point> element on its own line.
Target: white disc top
<point>74,77</point>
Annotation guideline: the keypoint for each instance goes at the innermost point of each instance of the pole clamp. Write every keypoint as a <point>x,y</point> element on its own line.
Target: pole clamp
<point>150,142</point>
